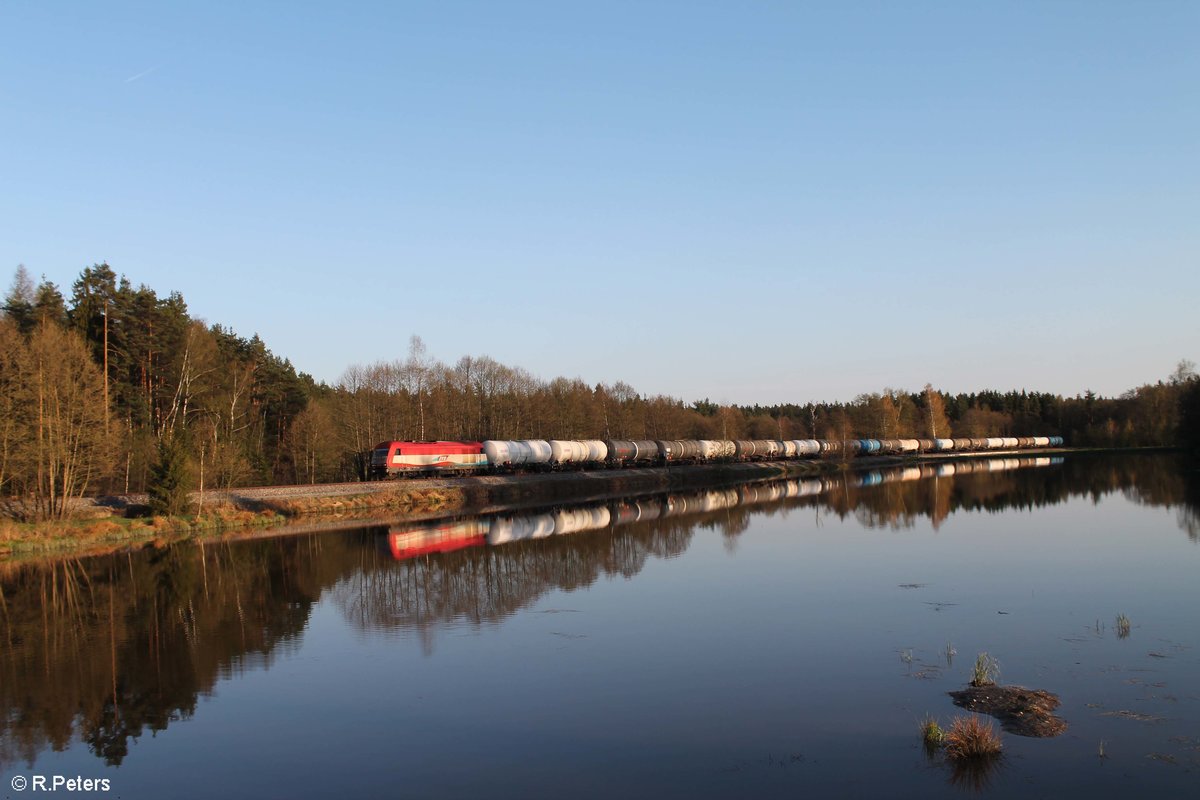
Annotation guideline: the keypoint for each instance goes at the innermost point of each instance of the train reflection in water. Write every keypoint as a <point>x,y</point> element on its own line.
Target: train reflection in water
<point>409,541</point>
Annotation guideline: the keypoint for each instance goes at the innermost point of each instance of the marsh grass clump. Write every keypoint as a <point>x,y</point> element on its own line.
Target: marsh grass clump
<point>932,734</point>
<point>1123,626</point>
<point>971,738</point>
<point>986,671</point>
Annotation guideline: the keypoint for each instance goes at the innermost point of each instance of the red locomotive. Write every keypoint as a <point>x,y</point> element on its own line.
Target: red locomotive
<point>389,459</point>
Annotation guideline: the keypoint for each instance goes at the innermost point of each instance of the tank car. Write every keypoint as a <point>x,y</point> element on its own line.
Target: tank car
<point>679,451</point>
<point>565,451</point>
<point>520,453</point>
<point>717,450</point>
<point>807,447</point>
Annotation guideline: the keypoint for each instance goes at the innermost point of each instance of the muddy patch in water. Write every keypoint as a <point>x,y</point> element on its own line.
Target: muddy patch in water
<point>1025,712</point>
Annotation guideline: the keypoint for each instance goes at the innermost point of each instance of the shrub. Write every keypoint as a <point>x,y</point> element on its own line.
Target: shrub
<point>972,738</point>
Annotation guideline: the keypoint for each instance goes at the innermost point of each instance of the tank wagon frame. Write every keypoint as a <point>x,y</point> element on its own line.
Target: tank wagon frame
<point>395,459</point>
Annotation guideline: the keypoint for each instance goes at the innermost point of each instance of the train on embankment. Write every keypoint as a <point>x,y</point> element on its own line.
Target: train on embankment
<point>397,459</point>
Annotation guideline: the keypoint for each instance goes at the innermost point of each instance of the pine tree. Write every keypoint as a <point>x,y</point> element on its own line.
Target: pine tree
<point>170,478</point>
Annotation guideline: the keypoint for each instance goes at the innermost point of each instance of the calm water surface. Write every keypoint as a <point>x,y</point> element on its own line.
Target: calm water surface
<point>775,640</point>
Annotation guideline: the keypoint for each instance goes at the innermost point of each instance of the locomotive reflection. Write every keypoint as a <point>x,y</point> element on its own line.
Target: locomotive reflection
<point>444,536</point>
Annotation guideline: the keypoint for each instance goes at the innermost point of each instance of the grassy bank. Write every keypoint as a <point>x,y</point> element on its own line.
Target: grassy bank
<point>108,529</point>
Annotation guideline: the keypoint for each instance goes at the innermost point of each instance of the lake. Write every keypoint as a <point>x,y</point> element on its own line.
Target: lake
<point>769,640</point>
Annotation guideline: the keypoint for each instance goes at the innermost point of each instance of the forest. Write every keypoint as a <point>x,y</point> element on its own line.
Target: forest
<point>115,389</point>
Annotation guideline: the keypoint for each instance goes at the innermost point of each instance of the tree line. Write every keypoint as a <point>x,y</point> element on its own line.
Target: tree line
<point>116,389</point>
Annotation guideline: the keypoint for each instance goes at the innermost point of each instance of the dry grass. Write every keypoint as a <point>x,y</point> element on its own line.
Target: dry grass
<point>405,500</point>
<point>9,531</point>
<point>971,738</point>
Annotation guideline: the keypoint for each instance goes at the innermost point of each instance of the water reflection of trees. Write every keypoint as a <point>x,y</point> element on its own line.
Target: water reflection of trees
<point>107,649</point>
<point>991,486</point>
<point>103,650</point>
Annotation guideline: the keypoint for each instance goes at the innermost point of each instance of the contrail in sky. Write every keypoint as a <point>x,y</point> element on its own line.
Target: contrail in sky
<point>142,74</point>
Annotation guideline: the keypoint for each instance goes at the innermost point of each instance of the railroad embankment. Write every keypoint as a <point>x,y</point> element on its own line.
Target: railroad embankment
<point>102,524</point>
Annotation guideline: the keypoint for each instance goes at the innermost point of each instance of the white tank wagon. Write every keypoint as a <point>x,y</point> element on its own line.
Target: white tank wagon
<point>743,449</point>
<point>517,453</point>
<point>539,450</point>
<point>502,453</point>
<point>910,445</point>
<point>806,448</point>
<point>568,451</point>
<point>789,448</point>
<point>717,450</point>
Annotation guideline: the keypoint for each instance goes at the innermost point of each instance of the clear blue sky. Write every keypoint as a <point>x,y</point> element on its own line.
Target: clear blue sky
<point>753,202</point>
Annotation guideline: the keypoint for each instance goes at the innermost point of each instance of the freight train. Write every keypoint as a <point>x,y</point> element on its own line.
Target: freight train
<point>411,459</point>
